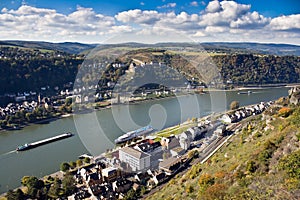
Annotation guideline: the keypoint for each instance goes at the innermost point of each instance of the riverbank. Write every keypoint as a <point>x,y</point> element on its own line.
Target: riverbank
<point>74,147</point>
<point>107,104</point>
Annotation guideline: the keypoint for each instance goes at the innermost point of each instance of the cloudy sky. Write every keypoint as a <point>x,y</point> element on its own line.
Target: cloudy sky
<point>96,21</point>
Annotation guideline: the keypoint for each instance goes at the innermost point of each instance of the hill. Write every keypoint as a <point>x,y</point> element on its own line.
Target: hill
<point>258,48</point>
<point>68,47</point>
<point>222,47</point>
<point>28,66</point>
<point>261,161</point>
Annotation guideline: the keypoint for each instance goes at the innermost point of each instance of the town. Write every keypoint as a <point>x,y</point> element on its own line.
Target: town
<point>138,167</point>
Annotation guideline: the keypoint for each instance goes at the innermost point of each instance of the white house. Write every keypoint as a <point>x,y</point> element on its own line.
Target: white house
<point>137,160</point>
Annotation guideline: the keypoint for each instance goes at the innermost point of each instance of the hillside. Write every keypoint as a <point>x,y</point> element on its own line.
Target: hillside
<point>28,66</point>
<point>241,69</point>
<point>221,47</point>
<point>68,47</point>
<point>261,48</point>
<point>261,161</point>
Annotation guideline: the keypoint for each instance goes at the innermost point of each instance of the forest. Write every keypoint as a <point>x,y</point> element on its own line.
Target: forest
<point>23,69</point>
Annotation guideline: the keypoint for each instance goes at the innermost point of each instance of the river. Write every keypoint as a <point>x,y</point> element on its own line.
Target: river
<point>96,131</point>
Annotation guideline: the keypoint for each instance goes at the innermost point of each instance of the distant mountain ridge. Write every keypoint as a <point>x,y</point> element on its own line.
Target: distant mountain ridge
<point>263,48</point>
<point>68,47</point>
<point>225,47</point>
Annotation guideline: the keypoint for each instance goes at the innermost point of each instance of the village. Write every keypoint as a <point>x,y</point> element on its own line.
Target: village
<point>140,166</point>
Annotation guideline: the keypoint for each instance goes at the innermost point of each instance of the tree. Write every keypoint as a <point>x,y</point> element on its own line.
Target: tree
<point>68,184</point>
<point>87,160</point>
<point>24,180</point>
<point>15,195</point>
<point>30,117</point>
<point>33,185</point>
<point>64,167</point>
<point>234,105</point>
<point>54,189</point>
<point>72,164</point>
<point>78,162</point>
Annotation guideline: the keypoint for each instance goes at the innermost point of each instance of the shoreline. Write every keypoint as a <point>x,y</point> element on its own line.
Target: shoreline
<point>109,106</point>
<point>59,173</point>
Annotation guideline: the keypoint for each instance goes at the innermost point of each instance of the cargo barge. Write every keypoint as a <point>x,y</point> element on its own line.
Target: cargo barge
<point>28,146</point>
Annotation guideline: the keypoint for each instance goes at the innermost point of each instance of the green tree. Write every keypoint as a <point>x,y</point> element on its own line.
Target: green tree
<point>15,195</point>
<point>87,160</point>
<point>72,164</point>
<point>30,117</point>
<point>68,184</point>
<point>234,105</point>
<point>24,180</point>
<point>54,189</point>
<point>78,162</point>
<point>64,166</point>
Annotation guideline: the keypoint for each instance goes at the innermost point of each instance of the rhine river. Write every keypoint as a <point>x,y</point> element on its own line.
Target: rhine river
<point>96,131</point>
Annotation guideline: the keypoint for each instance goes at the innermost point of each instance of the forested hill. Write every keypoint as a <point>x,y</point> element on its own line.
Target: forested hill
<point>68,47</point>
<point>255,69</point>
<point>28,69</point>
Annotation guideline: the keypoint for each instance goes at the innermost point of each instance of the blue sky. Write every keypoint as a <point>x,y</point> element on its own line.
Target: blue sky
<point>273,21</point>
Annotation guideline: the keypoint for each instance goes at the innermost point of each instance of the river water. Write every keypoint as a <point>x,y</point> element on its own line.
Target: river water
<point>96,131</point>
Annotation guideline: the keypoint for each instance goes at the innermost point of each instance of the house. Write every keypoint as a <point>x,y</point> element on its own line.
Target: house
<point>136,187</point>
<point>142,178</point>
<point>170,142</point>
<point>159,178</point>
<point>195,131</point>
<point>185,139</point>
<point>177,151</point>
<point>104,191</point>
<point>94,178</point>
<point>121,185</point>
<point>220,130</point>
<point>226,118</point>
<point>170,165</point>
<point>109,174</point>
<point>137,160</point>
<point>151,148</point>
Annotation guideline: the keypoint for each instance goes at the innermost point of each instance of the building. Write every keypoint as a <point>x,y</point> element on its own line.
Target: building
<point>170,165</point>
<point>137,160</point>
<point>185,139</point>
<point>121,185</point>
<point>151,148</point>
<point>110,174</point>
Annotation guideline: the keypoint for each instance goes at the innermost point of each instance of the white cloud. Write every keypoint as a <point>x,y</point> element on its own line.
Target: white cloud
<point>138,16</point>
<point>213,6</point>
<point>223,13</point>
<point>289,22</point>
<point>29,22</point>
<point>250,21</point>
<point>221,21</point>
<point>194,3</point>
<point>199,34</point>
<point>4,10</point>
<point>29,10</point>
<point>169,5</point>
<point>215,29</point>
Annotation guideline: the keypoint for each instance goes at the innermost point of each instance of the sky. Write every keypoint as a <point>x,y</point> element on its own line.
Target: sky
<point>151,21</point>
